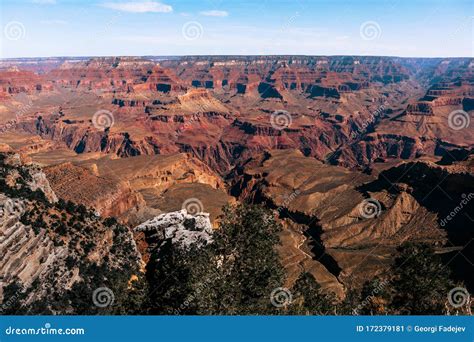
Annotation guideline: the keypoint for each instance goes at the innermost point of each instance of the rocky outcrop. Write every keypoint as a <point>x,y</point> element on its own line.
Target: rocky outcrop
<point>181,228</point>
<point>27,256</point>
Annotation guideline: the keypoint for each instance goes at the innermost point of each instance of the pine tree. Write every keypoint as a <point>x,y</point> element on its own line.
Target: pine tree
<point>243,266</point>
<point>308,298</point>
<point>421,282</point>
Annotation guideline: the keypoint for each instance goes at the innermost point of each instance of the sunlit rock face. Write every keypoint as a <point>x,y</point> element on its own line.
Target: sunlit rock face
<point>181,227</point>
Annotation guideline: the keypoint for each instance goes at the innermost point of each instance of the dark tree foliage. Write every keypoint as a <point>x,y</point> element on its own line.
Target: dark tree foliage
<point>308,299</point>
<point>421,282</point>
<point>234,275</point>
<point>13,294</point>
<point>375,298</point>
<point>170,279</point>
<point>244,261</point>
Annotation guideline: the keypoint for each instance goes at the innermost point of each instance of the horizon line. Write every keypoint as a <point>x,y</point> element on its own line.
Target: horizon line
<point>232,55</point>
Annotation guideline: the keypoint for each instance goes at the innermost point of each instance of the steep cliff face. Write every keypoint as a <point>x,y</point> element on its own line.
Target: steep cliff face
<point>225,109</point>
<point>27,255</point>
<point>133,189</point>
<point>434,124</point>
<point>15,81</point>
<point>50,247</point>
<point>79,185</point>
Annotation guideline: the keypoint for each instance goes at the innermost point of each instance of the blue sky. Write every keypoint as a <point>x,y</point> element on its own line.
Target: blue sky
<point>32,28</point>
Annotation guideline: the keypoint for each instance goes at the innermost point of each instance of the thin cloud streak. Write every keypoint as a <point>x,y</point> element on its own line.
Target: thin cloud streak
<point>139,7</point>
<point>214,13</point>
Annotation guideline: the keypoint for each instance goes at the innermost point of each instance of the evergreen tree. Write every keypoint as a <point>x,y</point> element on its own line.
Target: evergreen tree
<point>308,299</point>
<point>243,267</point>
<point>375,297</point>
<point>421,282</point>
<point>170,278</point>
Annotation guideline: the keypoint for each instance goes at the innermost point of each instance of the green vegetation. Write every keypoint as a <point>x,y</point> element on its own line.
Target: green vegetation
<point>235,274</point>
<point>421,283</point>
<point>417,283</point>
<point>80,232</point>
<point>308,299</point>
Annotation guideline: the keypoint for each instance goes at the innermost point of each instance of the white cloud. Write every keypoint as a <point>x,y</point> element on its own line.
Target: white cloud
<point>53,22</point>
<point>215,13</point>
<point>139,7</point>
<point>44,2</point>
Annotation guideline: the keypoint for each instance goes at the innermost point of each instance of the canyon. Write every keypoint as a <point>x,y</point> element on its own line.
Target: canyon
<point>354,155</point>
